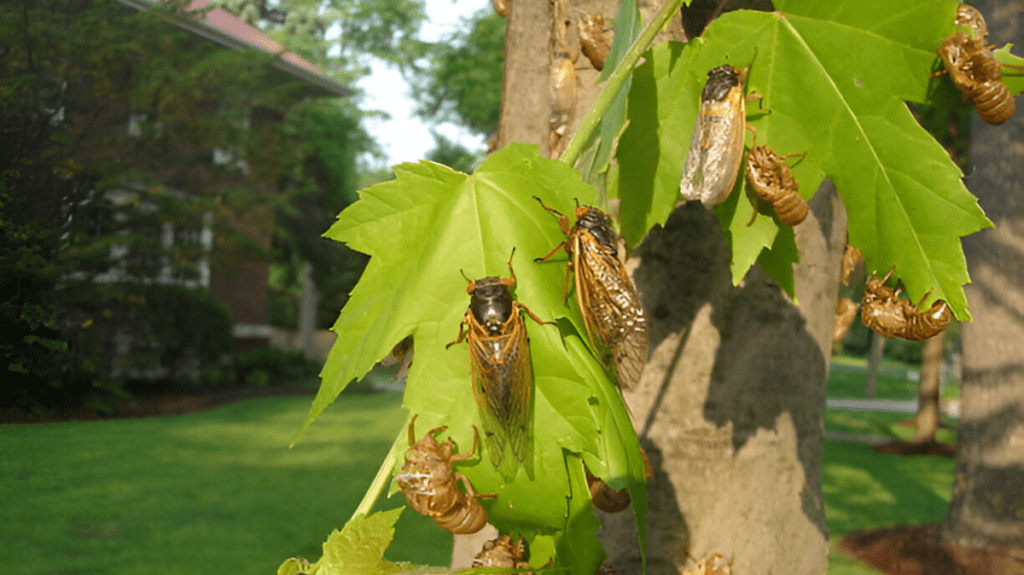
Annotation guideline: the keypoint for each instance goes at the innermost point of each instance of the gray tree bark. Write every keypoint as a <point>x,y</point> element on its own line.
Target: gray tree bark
<point>987,507</point>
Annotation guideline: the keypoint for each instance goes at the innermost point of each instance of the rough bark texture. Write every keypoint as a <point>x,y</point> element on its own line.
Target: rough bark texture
<point>731,404</point>
<point>987,509</point>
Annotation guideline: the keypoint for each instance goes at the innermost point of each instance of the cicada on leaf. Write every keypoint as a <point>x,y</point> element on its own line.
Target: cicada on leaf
<point>499,357</point>
<point>716,149</point>
<point>612,313</point>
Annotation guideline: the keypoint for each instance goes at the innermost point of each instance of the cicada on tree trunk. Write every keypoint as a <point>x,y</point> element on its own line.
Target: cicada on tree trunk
<point>612,313</point>
<point>499,357</point>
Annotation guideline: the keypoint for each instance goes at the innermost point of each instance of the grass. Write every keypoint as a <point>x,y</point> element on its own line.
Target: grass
<point>896,380</point>
<point>212,492</point>
<point>220,492</point>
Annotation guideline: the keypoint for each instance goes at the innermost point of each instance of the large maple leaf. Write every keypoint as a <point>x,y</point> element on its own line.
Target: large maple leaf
<point>833,77</point>
<point>422,230</point>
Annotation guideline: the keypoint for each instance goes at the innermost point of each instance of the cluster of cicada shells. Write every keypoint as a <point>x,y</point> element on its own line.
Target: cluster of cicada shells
<point>967,58</point>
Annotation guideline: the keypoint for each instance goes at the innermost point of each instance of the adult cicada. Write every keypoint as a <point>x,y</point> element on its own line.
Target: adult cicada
<point>500,363</point>
<point>884,311</point>
<point>430,485</point>
<point>612,313</point>
<point>716,149</point>
<point>773,181</point>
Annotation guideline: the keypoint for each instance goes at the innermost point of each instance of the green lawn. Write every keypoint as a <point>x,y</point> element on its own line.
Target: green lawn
<point>213,492</point>
<point>848,378</point>
<point>220,492</point>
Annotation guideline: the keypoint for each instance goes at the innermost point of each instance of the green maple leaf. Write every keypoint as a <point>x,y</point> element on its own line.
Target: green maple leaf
<point>421,230</point>
<point>833,79</point>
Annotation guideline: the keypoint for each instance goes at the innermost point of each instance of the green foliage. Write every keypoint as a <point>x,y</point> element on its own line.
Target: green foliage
<point>274,367</point>
<point>462,81</point>
<point>451,222</point>
<point>450,153</point>
<point>357,548</point>
<point>847,114</point>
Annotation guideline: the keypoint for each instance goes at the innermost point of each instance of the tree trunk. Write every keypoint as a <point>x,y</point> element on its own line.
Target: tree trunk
<point>927,422</point>
<point>987,508</point>
<point>874,363</point>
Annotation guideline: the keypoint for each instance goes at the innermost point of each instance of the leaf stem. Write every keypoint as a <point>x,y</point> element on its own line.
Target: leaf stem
<point>617,79</point>
<point>380,481</point>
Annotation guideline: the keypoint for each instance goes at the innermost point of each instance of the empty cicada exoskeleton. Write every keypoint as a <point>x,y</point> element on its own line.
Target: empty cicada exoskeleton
<point>499,358</point>
<point>716,149</point>
<point>610,500</point>
<point>885,312</point>
<point>608,300</point>
<point>713,564</point>
<point>594,41</point>
<point>773,181</point>
<point>402,355</point>
<point>501,552</point>
<point>846,312</point>
<point>973,68</point>
<point>501,7</point>
<point>431,486</point>
<point>851,259</point>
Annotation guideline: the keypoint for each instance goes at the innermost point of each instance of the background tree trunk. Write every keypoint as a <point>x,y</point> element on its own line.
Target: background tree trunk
<point>874,363</point>
<point>927,421</point>
<point>987,508</point>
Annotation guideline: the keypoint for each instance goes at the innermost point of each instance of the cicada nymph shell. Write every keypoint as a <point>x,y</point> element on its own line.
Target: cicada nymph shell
<point>612,314</point>
<point>431,486</point>
<point>851,259</point>
<point>564,82</point>
<point>607,499</point>
<point>773,181</point>
<point>402,355</point>
<point>501,7</point>
<point>885,312</point>
<point>501,552</point>
<point>971,65</point>
<point>594,41</point>
<point>714,564</point>
<point>846,312</point>
<point>716,148</point>
<point>500,364</point>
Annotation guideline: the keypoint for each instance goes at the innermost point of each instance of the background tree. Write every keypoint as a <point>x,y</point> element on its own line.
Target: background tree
<point>987,508</point>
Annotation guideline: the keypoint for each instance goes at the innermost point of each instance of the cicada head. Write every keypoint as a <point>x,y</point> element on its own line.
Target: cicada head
<point>720,81</point>
<point>491,303</point>
<point>598,224</point>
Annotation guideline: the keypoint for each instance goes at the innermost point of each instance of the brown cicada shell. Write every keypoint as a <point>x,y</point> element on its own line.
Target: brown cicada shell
<point>716,149</point>
<point>501,7</point>
<point>594,42</point>
<point>607,499</point>
<point>500,364</point>
<point>846,312</point>
<point>974,69</point>
<point>773,181</point>
<point>501,552</point>
<point>884,311</point>
<point>611,308</point>
<point>402,355</point>
<point>851,259</point>
<point>714,564</point>
<point>431,486</point>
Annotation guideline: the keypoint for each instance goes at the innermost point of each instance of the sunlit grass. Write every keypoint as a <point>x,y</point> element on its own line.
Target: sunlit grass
<point>212,492</point>
<point>896,426</point>
<point>896,380</point>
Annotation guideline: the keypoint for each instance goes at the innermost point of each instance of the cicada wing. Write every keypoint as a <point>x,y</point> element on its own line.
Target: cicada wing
<point>612,312</point>
<point>502,381</point>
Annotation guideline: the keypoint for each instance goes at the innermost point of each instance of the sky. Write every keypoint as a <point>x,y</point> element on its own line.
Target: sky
<point>406,138</point>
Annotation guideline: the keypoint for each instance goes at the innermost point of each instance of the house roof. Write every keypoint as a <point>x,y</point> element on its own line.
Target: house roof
<point>224,28</point>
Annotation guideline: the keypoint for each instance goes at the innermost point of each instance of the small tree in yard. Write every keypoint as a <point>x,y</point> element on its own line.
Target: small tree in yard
<point>730,405</point>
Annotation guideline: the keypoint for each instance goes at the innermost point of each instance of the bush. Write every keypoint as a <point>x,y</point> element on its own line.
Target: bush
<point>261,367</point>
